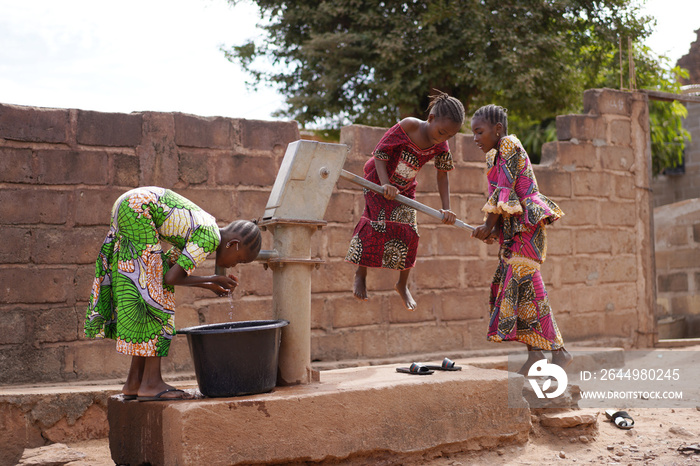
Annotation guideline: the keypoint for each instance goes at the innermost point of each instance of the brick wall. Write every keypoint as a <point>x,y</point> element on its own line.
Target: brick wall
<point>677,233</point>
<point>681,186</point>
<point>61,170</point>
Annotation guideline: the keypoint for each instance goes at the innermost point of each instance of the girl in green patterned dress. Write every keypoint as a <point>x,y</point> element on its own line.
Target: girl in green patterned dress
<point>132,299</point>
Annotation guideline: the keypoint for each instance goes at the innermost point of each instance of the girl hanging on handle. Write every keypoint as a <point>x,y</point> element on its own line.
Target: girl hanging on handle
<point>387,233</point>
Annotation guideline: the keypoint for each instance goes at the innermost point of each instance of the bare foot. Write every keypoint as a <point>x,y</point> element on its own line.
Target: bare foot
<point>359,288</point>
<point>532,358</point>
<point>561,358</point>
<point>408,300</point>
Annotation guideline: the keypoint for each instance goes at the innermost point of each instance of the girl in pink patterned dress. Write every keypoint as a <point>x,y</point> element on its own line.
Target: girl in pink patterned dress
<point>518,214</point>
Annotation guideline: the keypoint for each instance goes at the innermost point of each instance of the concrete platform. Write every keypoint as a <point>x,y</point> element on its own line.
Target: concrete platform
<point>356,415</point>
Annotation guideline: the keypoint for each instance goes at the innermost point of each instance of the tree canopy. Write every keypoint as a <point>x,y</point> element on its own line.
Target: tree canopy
<point>374,62</point>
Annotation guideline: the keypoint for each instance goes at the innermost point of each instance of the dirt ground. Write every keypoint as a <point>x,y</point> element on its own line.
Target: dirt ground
<point>654,440</point>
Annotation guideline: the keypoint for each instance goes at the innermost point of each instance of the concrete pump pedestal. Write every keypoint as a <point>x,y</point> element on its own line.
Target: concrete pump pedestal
<point>358,415</point>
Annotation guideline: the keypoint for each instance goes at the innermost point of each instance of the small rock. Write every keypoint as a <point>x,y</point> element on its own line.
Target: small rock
<point>500,452</point>
<point>562,454</point>
<point>620,453</point>
<point>681,431</point>
<point>569,419</point>
<point>611,447</point>
<point>583,439</point>
<point>51,455</point>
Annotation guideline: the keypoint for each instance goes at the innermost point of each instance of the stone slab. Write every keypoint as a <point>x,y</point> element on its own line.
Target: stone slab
<point>355,414</point>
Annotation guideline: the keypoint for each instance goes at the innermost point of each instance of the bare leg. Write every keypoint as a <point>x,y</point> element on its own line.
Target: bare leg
<point>561,357</point>
<point>152,382</point>
<point>533,356</point>
<point>359,289</point>
<point>134,377</point>
<point>402,288</point>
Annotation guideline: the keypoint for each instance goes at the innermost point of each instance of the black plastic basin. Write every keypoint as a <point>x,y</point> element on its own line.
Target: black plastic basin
<point>235,358</point>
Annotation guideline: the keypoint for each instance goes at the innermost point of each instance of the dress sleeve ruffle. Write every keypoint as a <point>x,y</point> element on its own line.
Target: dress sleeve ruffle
<point>503,201</point>
<point>540,209</point>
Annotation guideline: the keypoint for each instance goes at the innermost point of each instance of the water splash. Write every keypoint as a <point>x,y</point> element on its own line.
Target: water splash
<point>230,300</point>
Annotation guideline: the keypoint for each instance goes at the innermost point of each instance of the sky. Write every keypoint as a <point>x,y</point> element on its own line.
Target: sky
<point>164,55</point>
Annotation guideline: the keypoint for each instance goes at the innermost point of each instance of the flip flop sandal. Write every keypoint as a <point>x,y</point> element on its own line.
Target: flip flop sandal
<point>620,418</point>
<point>159,396</point>
<point>686,449</point>
<point>415,369</point>
<point>447,365</point>
<point>129,397</point>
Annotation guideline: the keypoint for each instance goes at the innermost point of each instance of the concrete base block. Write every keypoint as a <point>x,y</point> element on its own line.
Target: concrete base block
<point>355,415</point>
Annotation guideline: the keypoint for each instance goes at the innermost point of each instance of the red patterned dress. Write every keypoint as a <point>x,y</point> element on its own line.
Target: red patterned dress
<point>519,306</point>
<point>387,234</point>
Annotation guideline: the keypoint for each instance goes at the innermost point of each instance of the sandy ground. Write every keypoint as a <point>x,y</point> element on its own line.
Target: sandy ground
<point>654,440</point>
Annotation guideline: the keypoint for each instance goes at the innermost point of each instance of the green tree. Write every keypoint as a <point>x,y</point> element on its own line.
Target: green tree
<point>374,62</point>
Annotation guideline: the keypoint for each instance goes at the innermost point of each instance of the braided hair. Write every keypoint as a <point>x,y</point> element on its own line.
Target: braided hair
<point>250,235</point>
<point>443,105</point>
<point>493,114</point>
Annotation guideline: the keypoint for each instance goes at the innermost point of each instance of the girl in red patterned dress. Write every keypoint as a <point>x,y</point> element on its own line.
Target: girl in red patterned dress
<point>517,212</point>
<point>387,233</point>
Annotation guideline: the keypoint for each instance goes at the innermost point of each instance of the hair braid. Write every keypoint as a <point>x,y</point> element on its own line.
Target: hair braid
<point>493,114</point>
<point>443,105</point>
<point>251,238</point>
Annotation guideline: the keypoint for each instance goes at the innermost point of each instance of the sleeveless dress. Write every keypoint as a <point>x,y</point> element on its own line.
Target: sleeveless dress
<point>519,306</point>
<point>387,234</point>
<point>129,301</point>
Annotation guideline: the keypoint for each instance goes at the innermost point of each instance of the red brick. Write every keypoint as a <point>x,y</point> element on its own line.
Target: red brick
<point>451,241</point>
<point>250,205</point>
<point>221,203</point>
<point>56,324</point>
<point>616,157</point>
<point>13,324</point>
<point>428,304</point>
<point>268,135</point>
<point>580,211</point>
<point>44,364</point>
<point>579,269</point>
<point>48,206</point>
<point>479,272</point>
<point>158,153</point>
<point>248,170</point>
<point>97,359</point>
<point>332,276</point>
<point>109,129</point>
<point>621,132</point>
<point>432,273</point>
<point>336,346</point>
<point>465,150</point>
<point>677,259</point>
<point>346,311</point>
<point>666,237</point>
<point>33,124</point>
<point>552,183</point>
<point>593,184</point>
<point>72,167</point>
<point>35,285</point>
<point>126,170</point>
<point>343,207</point>
<point>15,245</point>
<point>593,240</point>
<point>625,242</point>
<point>361,140</point>
<point>338,240</point>
<point>619,213</point>
<point>206,132</point>
<point>619,269</point>
<point>672,282</point>
<point>470,180</point>
<point>602,101</point>
<point>576,156</point>
<point>16,165</point>
<point>559,241</point>
<point>94,206</point>
<point>624,186</point>
<point>49,245</point>
<point>580,127</point>
<point>464,304</point>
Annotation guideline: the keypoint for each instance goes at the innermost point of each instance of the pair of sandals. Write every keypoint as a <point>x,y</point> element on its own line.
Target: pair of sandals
<point>425,369</point>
